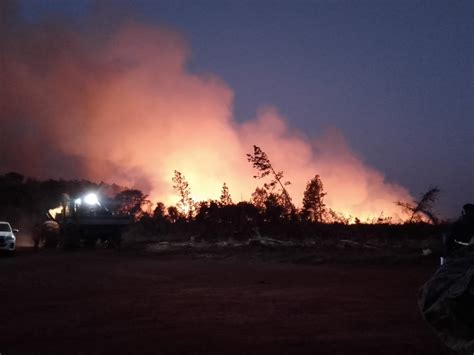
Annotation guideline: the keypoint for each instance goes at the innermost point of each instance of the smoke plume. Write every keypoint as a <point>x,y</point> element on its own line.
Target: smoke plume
<point>125,108</point>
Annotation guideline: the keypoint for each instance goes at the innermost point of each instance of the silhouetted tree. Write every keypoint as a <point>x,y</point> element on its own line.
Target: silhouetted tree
<point>225,199</point>
<point>13,178</point>
<point>422,207</point>
<point>248,213</point>
<point>173,214</point>
<point>274,208</point>
<point>207,211</point>
<point>185,203</point>
<point>160,210</point>
<point>261,162</point>
<point>314,208</point>
<point>259,196</point>
<point>332,216</point>
<point>131,202</point>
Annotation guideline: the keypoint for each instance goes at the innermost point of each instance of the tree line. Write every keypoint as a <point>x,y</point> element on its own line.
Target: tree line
<point>271,208</point>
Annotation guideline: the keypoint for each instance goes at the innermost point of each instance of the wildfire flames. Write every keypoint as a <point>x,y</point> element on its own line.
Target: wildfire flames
<point>124,107</point>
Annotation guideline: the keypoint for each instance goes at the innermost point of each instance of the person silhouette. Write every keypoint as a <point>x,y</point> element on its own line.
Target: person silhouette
<point>446,300</point>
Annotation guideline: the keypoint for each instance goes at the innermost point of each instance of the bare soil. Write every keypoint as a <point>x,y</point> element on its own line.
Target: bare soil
<point>113,302</point>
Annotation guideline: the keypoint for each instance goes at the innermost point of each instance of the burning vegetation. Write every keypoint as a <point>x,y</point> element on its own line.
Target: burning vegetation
<point>125,107</point>
<point>270,210</point>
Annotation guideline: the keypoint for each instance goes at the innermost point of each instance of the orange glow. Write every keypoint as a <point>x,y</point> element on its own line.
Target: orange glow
<point>129,111</point>
<point>54,212</point>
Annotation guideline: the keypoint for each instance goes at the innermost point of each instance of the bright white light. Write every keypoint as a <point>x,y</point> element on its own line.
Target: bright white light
<point>78,201</point>
<point>91,199</point>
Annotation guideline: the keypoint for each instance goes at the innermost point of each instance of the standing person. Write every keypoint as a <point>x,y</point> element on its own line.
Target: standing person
<point>462,231</point>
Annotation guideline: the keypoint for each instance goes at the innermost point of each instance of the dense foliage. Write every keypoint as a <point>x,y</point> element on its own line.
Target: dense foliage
<point>25,202</point>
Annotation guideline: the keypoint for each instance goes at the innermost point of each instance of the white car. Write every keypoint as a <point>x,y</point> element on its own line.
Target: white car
<point>7,237</point>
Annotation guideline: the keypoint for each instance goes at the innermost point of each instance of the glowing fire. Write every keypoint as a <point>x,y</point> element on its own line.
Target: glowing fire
<point>127,110</point>
<point>54,212</point>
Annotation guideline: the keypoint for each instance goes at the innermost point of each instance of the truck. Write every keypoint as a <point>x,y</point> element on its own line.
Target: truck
<point>82,221</point>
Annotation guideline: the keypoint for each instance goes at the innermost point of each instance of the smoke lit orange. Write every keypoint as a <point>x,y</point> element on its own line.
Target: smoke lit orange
<point>128,110</point>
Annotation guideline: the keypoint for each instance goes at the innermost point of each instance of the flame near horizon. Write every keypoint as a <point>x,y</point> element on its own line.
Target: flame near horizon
<point>125,108</point>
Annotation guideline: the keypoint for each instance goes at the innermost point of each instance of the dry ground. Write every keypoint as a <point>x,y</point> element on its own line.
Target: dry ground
<point>109,302</point>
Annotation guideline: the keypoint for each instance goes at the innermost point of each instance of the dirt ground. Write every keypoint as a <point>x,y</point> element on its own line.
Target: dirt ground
<point>112,302</point>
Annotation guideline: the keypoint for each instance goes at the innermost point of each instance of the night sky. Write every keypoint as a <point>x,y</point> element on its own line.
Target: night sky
<point>395,77</point>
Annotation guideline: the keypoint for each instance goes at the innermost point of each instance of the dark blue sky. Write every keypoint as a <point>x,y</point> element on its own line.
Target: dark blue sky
<point>396,77</point>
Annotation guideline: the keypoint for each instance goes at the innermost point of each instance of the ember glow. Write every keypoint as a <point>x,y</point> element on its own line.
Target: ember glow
<point>125,108</point>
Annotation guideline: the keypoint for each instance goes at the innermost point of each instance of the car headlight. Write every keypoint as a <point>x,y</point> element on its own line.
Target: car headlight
<point>9,239</point>
<point>91,199</point>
